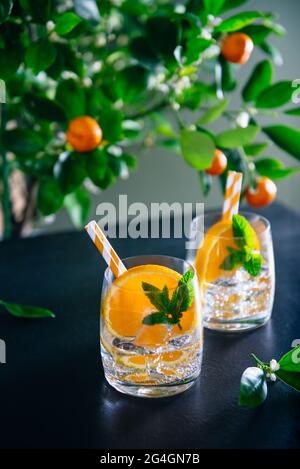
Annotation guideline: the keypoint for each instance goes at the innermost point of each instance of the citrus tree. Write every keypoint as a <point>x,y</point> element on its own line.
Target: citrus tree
<point>89,82</point>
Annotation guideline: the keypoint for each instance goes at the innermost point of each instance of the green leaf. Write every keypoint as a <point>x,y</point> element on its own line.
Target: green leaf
<point>275,95</point>
<point>213,113</point>
<point>274,169</point>
<point>40,55</point>
<point>243,232</point>
<point>187,277</point>
<point>170,311</point>
<point>87,10</point>
<point>66,22</point>
<point>141,49</point>
<point>67,58</point>
<point>290,378</point>
<point>97,165</point>
<point>230,4</point>
<point>260,79</point>
<point>285,137</point>
<point>130,83</point>
<point>49,198</point>
<point>195,47</point>
<point>10,60</point>
<point>255,149</point>
<point>253,387</point>
<point>22,141</point>
<point>96,101</point>
<point>162,35</point>
<point>44,108</point>
<point>155,318</point>
<point>234,259</point>
<point>213,7</point>
<point>197,149</point>
<point>130,161</point>
<point>253,265</point>
<point>237,137</point>
<point>293,112</point>
<point>257,32</point>
<point>77,205</point>
<point>5,9</point>
<point>291,360</point>
<point>228,81</point>
<point>70,95</point>
<point>238,21</point>
<point>156,297</point>
<point>39,10</point>
<point>111,124</point>
<point>70,170</point>
<point>273,52</point>
<point>193,96</point>
<point>25,311</point>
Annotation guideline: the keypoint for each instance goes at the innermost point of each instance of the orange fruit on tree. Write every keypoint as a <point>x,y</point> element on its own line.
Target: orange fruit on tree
<point>125,305</point>
<point>264,193</point>
<point>84,134</point>
<point>219,164</point>
<point>237,48</point>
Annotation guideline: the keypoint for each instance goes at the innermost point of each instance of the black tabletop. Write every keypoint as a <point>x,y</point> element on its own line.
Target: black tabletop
<point>52,389</point>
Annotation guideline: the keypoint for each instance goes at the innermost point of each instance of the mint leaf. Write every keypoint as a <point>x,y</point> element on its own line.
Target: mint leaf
<point>234,259</point>
<point>159,299</point>
<point>155,318</point>
<point>187,277</point>
<point>243,231</point>
<point>169,311</point>
<point>245,239</point>
<point>253,265</point>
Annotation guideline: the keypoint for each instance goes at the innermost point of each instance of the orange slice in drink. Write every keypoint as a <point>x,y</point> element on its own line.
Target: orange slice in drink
<point>213,251</point>
<point>167,358</point>
<point>125,305</point>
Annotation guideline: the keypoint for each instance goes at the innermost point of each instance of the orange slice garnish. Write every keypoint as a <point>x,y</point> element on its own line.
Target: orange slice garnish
<point>125,305</point>
<point>213,251</point>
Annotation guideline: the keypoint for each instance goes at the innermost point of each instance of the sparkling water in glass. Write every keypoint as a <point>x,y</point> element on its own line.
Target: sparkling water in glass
<point>237,301</point>
<point>148,360</point>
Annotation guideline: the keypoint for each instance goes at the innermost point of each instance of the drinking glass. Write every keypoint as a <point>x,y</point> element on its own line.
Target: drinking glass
<point>234,300</point>
<point>149,360</point>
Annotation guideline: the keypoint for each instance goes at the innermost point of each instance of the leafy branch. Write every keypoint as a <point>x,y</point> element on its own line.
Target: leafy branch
<point>253,386</point>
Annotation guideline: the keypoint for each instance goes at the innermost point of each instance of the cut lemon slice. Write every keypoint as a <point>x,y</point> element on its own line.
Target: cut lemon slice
<point>125,305</point>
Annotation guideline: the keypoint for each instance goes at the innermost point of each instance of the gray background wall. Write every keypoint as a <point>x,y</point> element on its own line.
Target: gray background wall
<point>163,176</point>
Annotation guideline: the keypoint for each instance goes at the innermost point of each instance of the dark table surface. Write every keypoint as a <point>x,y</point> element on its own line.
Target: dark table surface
<point>52,389</point>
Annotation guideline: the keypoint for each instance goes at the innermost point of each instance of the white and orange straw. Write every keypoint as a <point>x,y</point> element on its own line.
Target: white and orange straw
<point>105,248</point>
<point>232,194</point>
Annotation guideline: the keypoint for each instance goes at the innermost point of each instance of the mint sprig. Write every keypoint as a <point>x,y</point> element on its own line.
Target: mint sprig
<point>244,255</point>
<point>169,310</point>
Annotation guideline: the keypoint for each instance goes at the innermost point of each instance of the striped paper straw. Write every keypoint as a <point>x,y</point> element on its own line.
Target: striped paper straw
<point>232,194</point>
<point>105,248</point>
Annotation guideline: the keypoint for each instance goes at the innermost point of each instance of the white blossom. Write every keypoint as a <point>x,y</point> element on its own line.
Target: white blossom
<point>274,365</point>
<point>242,119</point>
